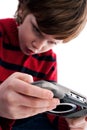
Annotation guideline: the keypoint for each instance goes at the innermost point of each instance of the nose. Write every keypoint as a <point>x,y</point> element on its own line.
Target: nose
<point>38,45</point>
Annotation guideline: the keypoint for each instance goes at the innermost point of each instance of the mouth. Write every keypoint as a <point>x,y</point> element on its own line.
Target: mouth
<point>28,51</point>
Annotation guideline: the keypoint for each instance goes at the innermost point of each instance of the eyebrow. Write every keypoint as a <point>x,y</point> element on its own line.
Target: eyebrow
<point>40,31</point>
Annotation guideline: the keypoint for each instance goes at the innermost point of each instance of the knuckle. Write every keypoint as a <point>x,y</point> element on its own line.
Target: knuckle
<point>15,73</point>
<point>9,98</point>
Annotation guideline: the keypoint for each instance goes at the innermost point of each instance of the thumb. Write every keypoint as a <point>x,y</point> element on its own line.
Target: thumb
<point>77,122</point>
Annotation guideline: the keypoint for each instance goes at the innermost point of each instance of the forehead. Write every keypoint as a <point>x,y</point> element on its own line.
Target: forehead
<point>31,17</point>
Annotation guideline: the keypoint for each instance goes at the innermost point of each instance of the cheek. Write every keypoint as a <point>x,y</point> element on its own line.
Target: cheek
<point>22,33</point>
<point>23,37</point>
<point>27,37</point>
<point>47,47</point>
<point>50,46</point>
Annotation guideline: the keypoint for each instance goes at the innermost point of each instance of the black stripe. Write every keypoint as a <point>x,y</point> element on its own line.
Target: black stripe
<point>52,81</point>
<point>44,57</point>
<point>19,68</point>
<point>55,123</point>
<point>0,34</point>
<point>10,47</point>
<point>10,66</point>
<point>33,73</point>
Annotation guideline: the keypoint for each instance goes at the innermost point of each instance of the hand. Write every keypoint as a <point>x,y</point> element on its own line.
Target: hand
<point>77,123</point>
<point>20,99</point>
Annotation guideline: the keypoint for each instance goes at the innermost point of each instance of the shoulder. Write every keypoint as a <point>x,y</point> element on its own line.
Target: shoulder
<point>7,23</point>
<point>8,29</point>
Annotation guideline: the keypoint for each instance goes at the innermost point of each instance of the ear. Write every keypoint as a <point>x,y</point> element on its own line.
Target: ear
<point>20,12</point>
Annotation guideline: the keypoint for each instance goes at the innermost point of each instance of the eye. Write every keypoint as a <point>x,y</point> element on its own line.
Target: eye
<point>52,42</point>
<point>36,30</point>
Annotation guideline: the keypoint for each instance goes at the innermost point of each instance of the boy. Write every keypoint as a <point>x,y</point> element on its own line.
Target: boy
<point>26,56</point>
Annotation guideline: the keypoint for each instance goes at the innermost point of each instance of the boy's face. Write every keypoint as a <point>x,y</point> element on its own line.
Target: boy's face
<point>32,40</point>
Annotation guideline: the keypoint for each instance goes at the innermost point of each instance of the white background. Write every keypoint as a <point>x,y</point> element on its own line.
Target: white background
<point>72,56</point>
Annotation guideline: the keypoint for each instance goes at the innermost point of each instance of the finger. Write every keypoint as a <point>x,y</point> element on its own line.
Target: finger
<point>24,112</point>
<point>76,122</point>
<point>77,128</point>
<point>35,111</point>
<point>30,90</point>
<point>22,76</point>
<point>35,102</point>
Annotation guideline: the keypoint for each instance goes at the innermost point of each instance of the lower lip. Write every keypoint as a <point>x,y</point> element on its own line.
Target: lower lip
<point>29,52</point>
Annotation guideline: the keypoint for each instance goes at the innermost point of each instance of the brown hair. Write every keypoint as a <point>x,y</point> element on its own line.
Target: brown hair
<point>63,18</point>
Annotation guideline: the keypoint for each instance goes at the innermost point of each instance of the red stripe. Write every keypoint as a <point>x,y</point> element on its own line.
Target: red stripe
<point>63,125</point>
<point>5,74</point>
<point>9,56</point>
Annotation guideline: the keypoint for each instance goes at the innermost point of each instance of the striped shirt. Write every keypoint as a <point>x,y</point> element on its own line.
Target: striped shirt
<point>40,66</point>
